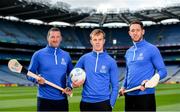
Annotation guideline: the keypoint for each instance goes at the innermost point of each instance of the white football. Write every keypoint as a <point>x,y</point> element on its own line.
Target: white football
<point>77,74</point>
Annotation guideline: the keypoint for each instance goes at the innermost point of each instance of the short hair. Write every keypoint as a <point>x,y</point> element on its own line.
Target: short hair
<point>53,29</point>
<point>137,22</point>
<point>97,32</point>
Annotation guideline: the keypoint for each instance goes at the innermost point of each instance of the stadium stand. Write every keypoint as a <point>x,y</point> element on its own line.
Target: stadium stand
<point>164,34</point>
<point>175,78</point>
<point>171,69</point>
<point>11,78</point>
<point>23,33</point>
<point>122,73</point>
<point>173,74</point>
<point>9,28</point>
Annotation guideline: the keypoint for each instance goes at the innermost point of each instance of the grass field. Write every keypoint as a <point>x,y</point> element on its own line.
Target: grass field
<point>24,99</point>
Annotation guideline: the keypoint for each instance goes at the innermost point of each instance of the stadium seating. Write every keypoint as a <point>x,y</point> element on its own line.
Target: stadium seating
<point>7,76</point>
<point>173,72</point>
<point>122,73</point>
<point>24,33</point>
<point>164,34</point>
<point>10,29</point>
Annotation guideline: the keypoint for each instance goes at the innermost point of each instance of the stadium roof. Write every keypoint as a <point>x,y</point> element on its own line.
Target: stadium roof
<point>34,10</point>
<point>23,9</point>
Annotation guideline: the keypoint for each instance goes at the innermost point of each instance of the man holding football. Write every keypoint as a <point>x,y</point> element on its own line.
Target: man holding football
<point>100,88</point>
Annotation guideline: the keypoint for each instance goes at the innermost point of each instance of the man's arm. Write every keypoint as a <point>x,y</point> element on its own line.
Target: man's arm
<point>125,78</point>
<point>69,69</point>
<point>158,62</point>
<point>114,78</point>
<point>33,66</point>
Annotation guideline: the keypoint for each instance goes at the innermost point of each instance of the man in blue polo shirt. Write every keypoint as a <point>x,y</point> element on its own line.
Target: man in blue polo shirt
<point>142,60</point>
<point>54,65</point>
<point>100,88</point>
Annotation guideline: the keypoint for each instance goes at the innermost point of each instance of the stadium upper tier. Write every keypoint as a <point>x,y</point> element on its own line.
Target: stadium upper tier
<point>58,10</point>
<point>25,33</point>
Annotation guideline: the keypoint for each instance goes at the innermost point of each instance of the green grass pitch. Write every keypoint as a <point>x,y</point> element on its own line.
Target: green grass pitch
<point>24,99</point>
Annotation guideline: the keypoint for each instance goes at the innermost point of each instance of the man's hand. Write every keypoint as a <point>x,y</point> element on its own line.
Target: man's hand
<point>142,88</point>
<point>40,80</point>
<point>121,91</point>
<point>77,83</point>
<point>68,91</point>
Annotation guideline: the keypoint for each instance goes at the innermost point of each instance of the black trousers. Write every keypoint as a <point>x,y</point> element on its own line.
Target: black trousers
<point>99,106</point>
<point>140,103</point>
<point>46,105</point>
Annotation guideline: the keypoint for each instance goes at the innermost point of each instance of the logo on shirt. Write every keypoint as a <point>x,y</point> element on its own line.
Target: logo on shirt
<point>140,57</point>
<point>103,69</point>
<point>63,62</point>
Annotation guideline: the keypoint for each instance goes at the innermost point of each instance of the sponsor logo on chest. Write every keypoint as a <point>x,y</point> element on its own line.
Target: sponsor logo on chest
<point>63,62</point>
<point>140,56</point>
<point>103,69</point>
